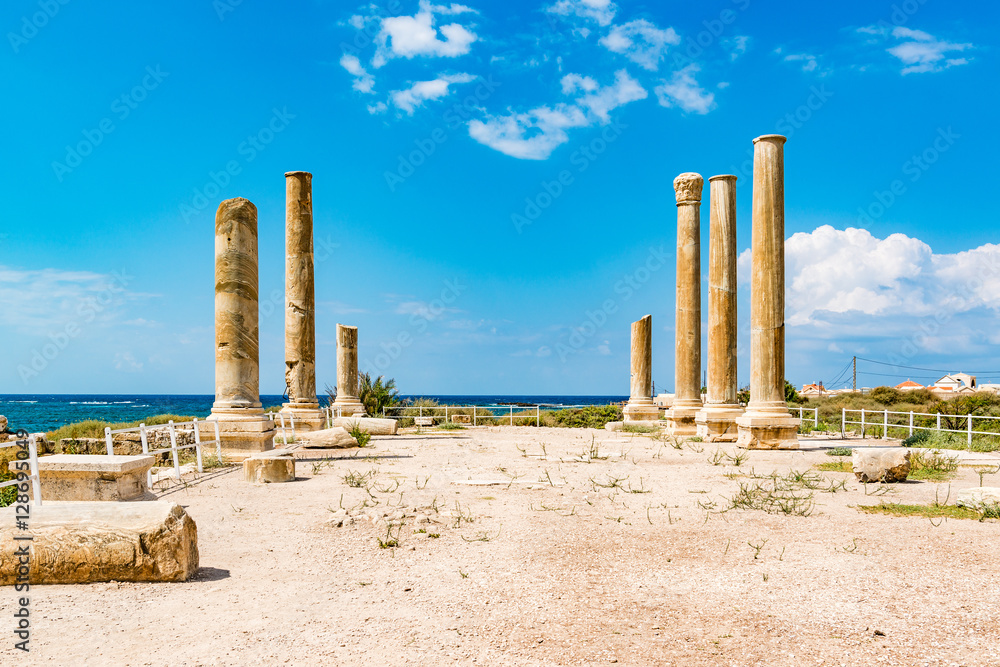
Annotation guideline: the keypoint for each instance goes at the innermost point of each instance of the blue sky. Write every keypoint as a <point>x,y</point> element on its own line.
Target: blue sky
<point>492,182</point>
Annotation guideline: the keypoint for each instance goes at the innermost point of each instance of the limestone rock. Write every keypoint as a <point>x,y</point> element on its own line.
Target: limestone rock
<point>881,464</point>
<point>368,424</point>
<point>613,426</point>
<point>328,438</point>
<point>87,542</point>
<point>81,477</point>
<point>978,497</point>
<point>269,467</point>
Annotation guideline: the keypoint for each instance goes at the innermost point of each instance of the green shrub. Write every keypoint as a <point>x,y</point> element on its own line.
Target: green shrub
<point>94,428</point>
<point>886,395</point>
<point>839,451</point>
<point>592,416</point>
<point>362,436</point>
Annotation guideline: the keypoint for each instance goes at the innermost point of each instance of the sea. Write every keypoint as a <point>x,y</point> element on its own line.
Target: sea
<point>47,412</point>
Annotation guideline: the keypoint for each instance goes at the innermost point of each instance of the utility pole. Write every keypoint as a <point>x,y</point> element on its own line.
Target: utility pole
<point>855,382</point>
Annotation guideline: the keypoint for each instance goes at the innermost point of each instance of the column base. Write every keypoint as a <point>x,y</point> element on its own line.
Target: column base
<point>243,431</point>
<point>308,416</point>
<point>680,420</point>
<point>349,407</point>
<point>767,431</point>
<point>641,412</point>
<point>717,423</point>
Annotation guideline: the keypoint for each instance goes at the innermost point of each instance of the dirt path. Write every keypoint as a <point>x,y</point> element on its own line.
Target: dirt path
<point>577,547</point>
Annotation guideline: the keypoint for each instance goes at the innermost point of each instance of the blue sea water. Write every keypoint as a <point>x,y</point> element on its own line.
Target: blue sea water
<point>47,412</point>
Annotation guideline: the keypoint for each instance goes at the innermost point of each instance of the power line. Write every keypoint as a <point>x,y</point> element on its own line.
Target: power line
<point>917,368</point>
<point>841,375</point>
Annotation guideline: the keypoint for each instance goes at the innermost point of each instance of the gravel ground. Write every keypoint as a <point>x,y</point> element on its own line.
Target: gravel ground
<point>536,546</point>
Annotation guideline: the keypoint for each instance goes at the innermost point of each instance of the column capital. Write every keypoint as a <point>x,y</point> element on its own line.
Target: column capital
<point>774,138</point>
<point>722,177</point>
<point>688,187</point>
<point>289,174</point>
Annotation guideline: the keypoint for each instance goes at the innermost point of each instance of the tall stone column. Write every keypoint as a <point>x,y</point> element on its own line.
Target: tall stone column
<point>716,422</point>
<point>767,423</point>
<point>687,366</point>
<point>640,403</point>
<point>300,305</point>
<point>347,372</point>
<point>243,427</point>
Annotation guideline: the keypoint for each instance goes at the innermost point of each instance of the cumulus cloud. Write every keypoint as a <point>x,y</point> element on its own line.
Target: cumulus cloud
<point>641,42</point>
<point>412,36</point>
<point>919,51</point>
<point>414,96</point>
<point>601,11</point>
<point>534,134</point>
<point>830,271</point>
<point>683,91</point>
<point>364,82</point>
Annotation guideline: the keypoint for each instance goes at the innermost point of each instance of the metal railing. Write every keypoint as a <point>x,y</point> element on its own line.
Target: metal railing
<point>280,418</point>
<point>29,448</point>
<point>174,448</point>
<point>478,412</point>
<point>802,411</point>
<point>880,419</point>
<point>332,412</point>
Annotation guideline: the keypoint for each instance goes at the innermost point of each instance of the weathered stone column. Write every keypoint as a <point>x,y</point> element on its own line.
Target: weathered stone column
<point>244,428</point>
<point>347,372</point>
<point>767,423</point>
<point>640,403</point>
<point>687,354</point>
<point>717,420</point>
<point>300,305</point>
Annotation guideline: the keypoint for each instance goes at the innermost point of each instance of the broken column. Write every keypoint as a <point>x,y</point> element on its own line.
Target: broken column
<point>347,401</point>
<point>300,305</point>
<point>640,403</point>
<point>243,427</point>
<point>767,423</point>
<point>716,422</point>
<point>687,369</point>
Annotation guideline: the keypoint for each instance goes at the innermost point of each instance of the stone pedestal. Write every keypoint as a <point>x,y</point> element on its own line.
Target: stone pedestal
<point>716,422</point>
<point>300,305</point>
<point>85,477</point>
<point>271,467</point>
<point>347,373</point>
<point>640,403</point>
<point>767,423</point>
<point>243,427</point>
<point>687,352</point>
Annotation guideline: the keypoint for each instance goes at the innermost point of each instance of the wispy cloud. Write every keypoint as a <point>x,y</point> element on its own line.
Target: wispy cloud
<point>683,91</point>
<point>919,51</point>
<point>418,35</point>
<point>364,82</point>
<point>410,98</point>
<point>601,11</point>
<point>641,42</point>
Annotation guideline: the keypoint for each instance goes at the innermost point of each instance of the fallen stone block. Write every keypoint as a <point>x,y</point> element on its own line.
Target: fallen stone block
<point>87,542</point>
<point>368,424</point>
<point>423,421</point>
<point>881,464</point>
<point>328,438</point>
<point>979,497</point>
<point>86,477</point>
<point>613,426</point>
<point>269,467</point>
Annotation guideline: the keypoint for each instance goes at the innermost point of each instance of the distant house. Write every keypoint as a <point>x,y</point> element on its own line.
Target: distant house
<point>909,385</point>
<point>814,390</point>
<point>992,388</point>
<point>954,384</point>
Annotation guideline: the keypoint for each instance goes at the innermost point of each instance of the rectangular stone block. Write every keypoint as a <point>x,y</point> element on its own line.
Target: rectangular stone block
<point>87,477</point>
<point>82,543</point>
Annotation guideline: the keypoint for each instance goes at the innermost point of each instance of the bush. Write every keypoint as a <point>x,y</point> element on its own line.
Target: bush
<point>917,439</point>
<point>886,395</point>
<point>363,437</point>
<point>592,416</point>
<point>94,428</point>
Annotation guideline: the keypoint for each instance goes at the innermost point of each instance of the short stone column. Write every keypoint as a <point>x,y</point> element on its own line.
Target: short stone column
<point>640,403</point>
<point>767,423</point>
<point>347,372</point>
<point>243,427</point>
<point>687,353</point>
<point>300,305</point>
<point>716,422</point>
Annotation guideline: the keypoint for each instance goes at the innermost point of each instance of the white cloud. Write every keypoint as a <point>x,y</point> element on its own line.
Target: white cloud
<point>602,11</point>
<point>377,108</point>
<point>684,92</point>
<point>412,36</point>
<point>126,361</point>
<point>533,135</point>
<point>809,61</point>
<point>917,50</point>
<point>641,42</point>
<point>896,278</point>
<point>414,96</point>
<point>737,46</point>
<point>364,82</point>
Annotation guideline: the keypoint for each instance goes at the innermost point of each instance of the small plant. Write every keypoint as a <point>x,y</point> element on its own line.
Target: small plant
<point>757,548</point>
<point>932,465</point>
<point>357,480</point>
<point>390,541</point>
<point>985,470</point>
<point>638,428</point>
<point>465,575</point>
<point>696,438</point>
<point>718,458</point>
<point>739,457</point>
<point>839,451</point>
<point>451,426</point>
<point>363,437</point>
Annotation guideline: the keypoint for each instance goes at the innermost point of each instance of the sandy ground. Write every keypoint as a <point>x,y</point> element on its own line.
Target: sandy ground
<point>542,562</point>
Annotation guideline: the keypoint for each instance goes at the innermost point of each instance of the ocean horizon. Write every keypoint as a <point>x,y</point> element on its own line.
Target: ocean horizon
<point>47,412</point>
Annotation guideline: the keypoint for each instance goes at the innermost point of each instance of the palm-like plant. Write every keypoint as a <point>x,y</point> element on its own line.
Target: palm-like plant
<point>377,394</point>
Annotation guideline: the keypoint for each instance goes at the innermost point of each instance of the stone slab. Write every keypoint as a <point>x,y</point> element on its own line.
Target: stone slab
<point>328,438</point>
<point>881,464</point>
<point>79,543</point>
<point>756,431</point>
<point>372,425</point>
<point>99,478</point>
<point>269,467</point>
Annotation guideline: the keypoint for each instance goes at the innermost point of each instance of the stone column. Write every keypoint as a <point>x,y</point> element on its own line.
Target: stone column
<point>687,363</point>
<point>243,427</point>
<point>640,403</point>
<point>347,372</point>
<point>716,422</point>
<point>767,423</point>
<point>300,305</point>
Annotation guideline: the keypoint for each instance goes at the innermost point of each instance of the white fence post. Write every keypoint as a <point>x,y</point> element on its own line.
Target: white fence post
<point>885,425</point>
<point>36,487</point>
<point>538,415</point>
<point>911,422</point>
<point>939,422</point>
<point>862,423</point>
<point>173,449</point>
<point>969,422</point>
<point>473,415</point>
<point>843,422</point>
<point>284,433</point>
<point>197,448</point>
<point>109,441</point>
<point>218,440</point>
<point>512,415</point>
<point>145,450</point>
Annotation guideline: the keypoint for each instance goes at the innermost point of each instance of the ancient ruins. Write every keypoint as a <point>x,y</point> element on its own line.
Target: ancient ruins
<point>640,403</point>
<point>347,402</point>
